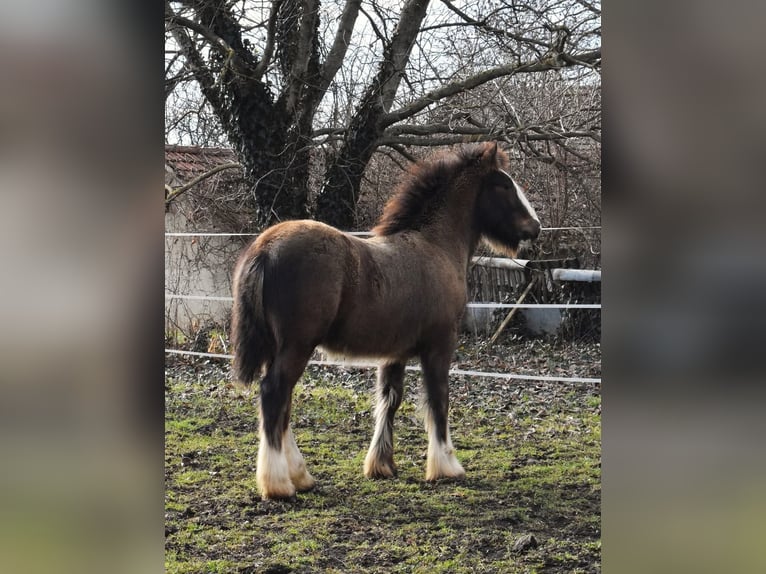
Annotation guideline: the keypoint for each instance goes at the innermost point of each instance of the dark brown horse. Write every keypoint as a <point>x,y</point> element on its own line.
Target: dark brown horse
<point>396,295</point>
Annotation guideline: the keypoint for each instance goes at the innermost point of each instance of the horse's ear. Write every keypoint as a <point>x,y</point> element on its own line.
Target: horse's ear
<point>489,156</point>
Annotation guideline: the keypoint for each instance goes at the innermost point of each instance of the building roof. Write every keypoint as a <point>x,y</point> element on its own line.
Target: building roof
<point>188,162</point>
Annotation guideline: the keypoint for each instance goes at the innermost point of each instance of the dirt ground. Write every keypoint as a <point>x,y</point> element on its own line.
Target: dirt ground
<point>530,501</point>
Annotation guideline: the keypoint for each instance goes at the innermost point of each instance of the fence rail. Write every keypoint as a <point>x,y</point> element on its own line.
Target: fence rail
<point>359,233</point>
<point>365,365</point>
<point>469,305</point>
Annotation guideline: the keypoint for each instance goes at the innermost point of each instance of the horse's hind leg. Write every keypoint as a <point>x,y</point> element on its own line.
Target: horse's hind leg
<point>277,450</point>
<point>296,466</point>
<point>379,462</point>
<point>441,461</point>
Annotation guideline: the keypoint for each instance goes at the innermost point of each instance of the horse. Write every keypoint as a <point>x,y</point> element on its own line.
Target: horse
<point>398,294</point>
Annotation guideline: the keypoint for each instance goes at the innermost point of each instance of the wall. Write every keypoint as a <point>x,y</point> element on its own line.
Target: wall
<point>196,266</point>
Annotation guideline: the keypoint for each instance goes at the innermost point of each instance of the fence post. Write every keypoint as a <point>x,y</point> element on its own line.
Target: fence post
<point>508,317</point>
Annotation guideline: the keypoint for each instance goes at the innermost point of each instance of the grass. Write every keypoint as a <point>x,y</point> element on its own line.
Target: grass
<point>533,466</point>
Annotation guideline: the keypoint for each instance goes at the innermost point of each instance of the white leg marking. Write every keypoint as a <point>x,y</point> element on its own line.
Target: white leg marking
<point>299,476</point>
<point>441,461</point>
<point>272,473</point>
<point>382,441</point>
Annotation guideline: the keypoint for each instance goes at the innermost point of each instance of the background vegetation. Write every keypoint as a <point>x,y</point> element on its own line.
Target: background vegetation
<point>321,99</point>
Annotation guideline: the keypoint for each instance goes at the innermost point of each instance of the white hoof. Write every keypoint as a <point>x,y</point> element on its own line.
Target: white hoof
<point>299,476</point>
<point>374,467</point>
<point>272,473</point>
<point>441,461</point>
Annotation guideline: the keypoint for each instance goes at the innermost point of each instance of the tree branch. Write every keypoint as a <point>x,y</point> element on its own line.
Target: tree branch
<point>300,64</point>
<point>222,22</point>
<point>197,66</point>
<point>441,140</point>
<point>398,51</point>
<point>589,6</point>
<point>328,132</point>
<point>171,194</point>
<point>215,41</point>
<point>340,45</point>
<point>268,49</point>
<point>429,129</point>
<point>404,153</point>
<point>435,137</point>
<point>577,154</point>
<point>545,64</point>
<point>380,35</point>
<point>501,33</point>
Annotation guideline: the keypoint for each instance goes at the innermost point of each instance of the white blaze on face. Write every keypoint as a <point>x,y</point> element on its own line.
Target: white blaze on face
<point>522,197</point>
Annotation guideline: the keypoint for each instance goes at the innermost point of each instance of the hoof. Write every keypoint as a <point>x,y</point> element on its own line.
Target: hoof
<point>447,468</point>
<point>445,477</point>
<point>278,494</point>
<point>272,474</point>
<point>303,483</point>
<point>374,468</point>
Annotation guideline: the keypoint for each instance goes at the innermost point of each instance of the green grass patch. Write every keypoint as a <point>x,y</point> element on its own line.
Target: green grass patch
<point>533,467</point>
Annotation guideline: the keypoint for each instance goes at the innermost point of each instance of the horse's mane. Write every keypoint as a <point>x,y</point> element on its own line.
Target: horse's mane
<point>424,187</point>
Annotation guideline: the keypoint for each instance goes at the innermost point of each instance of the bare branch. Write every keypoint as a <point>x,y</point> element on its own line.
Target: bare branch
<point>577,154</point>
<point>440,140</point>
<point>306,38</point>
<point>172,81</point>
<point>300,64</point>
<point>268,49</point>
<point>398,51</point>
<point>380,35</point>
<point>500,33</point>
<point>404,153</point>
<point>428,129</point>
<point>334,59</point>
<point>589,6</point>
<point>328,132</point>
<point>215,41</point>
<point>476,80</point>
<point>196,65</point>
<point>436,137</point>
<point>170,195</point>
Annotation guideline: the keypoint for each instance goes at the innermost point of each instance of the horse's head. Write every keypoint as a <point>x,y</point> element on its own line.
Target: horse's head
<point>504,217</point>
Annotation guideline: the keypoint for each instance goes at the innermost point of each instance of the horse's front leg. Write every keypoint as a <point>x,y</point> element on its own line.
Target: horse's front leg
<point>441,461</point>
<point>379,462</point>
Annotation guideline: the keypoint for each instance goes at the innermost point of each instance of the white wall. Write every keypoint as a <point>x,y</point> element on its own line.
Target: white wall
<point>196,266</point>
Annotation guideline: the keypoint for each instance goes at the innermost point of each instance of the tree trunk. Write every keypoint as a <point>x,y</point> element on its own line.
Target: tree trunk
<point>337,200</point>
<point>336,203</point>
<point>258,127</point>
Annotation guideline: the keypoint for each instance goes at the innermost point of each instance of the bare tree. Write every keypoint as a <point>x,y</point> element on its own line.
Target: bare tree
<point>288,76</point>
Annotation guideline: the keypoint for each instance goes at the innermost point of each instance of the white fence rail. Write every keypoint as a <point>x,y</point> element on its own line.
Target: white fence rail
<point>365,365</point>
<point>360,233</point>
<point>469,305</point>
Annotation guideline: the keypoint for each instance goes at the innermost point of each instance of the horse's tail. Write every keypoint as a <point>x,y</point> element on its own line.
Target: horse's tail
<point>252,338</point>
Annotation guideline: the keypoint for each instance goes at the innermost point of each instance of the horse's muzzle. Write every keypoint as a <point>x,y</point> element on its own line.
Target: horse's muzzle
<point>531,230</point>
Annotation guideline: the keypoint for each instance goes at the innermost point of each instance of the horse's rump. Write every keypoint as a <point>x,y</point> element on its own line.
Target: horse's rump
<point>287,285</point>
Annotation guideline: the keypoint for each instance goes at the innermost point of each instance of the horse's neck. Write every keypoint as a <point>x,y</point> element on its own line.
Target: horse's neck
<point>453,232</point>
